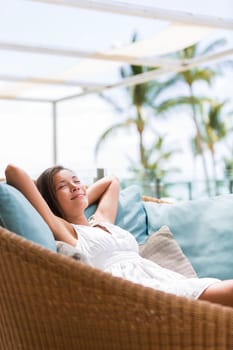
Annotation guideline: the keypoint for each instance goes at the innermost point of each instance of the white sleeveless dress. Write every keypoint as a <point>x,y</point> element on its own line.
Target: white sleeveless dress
<point>117,252</point>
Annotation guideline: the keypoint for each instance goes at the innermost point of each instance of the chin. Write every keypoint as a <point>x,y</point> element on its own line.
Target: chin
<point>85,201</point>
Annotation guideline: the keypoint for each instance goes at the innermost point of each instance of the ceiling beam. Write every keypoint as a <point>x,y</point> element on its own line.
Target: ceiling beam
<point>146,11</point>
<point>151,75</point>
<point>137,79</point>
<point>24,99</point>
<point>48,81</point>
<point>77,53</point>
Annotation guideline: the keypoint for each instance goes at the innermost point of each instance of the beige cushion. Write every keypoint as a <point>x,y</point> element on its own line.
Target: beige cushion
<point>162,248</point>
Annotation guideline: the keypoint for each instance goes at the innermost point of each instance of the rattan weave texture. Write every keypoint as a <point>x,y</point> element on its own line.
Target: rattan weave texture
<point>52,302</point>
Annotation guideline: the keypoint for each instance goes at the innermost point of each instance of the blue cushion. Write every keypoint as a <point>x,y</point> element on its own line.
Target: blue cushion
<point>131,215</point>
<point>204,230</point>
<point>19,216</point>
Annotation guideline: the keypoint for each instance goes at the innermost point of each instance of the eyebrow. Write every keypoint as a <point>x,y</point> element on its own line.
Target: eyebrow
<point>64,181</point>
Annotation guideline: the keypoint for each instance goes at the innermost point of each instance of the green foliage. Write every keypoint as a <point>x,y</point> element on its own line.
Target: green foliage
<point>228,168</point>
<point>148,101</point>
<point>142,101</point>
<point>157,158</point>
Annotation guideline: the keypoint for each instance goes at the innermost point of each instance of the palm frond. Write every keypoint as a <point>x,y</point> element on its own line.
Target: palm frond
<point>176,102</point>
<point>213,46</point>
<point>112,102</point>
<point>156,88</point>
<point>123,125</point>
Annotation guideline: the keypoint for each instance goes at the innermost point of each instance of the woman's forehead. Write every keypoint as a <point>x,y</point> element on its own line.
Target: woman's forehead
<point>64,174</point>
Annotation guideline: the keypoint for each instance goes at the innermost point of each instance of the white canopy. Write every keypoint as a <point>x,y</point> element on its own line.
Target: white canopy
<point>54,50</point>
<point>82,61</point>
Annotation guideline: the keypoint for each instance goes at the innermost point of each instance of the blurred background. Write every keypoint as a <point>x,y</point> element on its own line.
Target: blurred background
<point>172,135</point>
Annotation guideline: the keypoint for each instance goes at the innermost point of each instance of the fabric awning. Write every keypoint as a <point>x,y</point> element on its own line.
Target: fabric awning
<point>77,71</point>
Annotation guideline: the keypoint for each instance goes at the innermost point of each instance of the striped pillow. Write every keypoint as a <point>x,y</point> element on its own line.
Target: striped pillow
<point>162,248</point>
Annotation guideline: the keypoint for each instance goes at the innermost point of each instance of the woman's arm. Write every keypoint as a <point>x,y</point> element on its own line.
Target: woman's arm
<point>18,178</point>
<point>106,192</point>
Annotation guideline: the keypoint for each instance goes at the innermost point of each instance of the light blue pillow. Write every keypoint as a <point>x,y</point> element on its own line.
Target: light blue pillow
<point>204,230</point>
<point>19,216</point>
<point>131,215</point>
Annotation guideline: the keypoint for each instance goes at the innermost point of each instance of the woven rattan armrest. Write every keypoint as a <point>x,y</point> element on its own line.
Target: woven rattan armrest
<point>155,200</point>
<point>49,301</point>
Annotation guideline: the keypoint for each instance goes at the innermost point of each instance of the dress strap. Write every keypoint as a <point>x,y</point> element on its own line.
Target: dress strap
<point>92,220</point>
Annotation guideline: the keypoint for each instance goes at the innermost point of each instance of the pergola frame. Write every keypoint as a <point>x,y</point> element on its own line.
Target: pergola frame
<point>150,12</point>
<point>166,65</point>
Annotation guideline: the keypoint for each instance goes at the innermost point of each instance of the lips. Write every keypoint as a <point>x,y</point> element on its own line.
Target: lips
<point>78,195</point>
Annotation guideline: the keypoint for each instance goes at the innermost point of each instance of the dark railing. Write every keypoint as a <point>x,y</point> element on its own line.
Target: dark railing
<point>196,189</point>
<point>183,190</point>
<point>178,190</point>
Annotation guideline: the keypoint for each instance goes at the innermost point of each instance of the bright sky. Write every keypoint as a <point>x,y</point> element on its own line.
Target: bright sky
<point>26,128</point>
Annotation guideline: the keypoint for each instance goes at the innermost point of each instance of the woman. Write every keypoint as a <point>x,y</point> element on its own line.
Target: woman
<point>61,201</point>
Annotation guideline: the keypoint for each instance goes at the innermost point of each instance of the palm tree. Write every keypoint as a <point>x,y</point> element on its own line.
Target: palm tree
<point>157,157</point>
<point>190,78</point>
<point>213,130</point>
<point>139,106</point>
<point>228,158</point>
<point>216,128</point>
<point>157,166</point>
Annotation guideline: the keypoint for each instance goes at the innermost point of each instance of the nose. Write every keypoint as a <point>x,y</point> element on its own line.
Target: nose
<point>74,187</point>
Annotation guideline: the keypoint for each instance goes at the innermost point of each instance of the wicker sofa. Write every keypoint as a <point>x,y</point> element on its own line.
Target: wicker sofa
<point>50,301</point>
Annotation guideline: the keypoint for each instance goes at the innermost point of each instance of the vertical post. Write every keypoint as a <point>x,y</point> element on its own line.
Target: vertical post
<point>99,174</point>
<point>158,187</point>
<point>54,126</point>
<point>190,190</point>
<point>231,186</point>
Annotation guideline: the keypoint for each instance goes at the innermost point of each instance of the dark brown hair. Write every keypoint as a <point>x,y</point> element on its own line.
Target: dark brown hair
<point>46,187</point>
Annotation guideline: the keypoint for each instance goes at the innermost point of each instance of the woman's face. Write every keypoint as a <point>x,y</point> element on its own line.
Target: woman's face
<point>71,195</point>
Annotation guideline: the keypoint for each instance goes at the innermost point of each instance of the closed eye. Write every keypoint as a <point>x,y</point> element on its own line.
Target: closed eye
<point>77,181</point>
<point>61,186</point>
